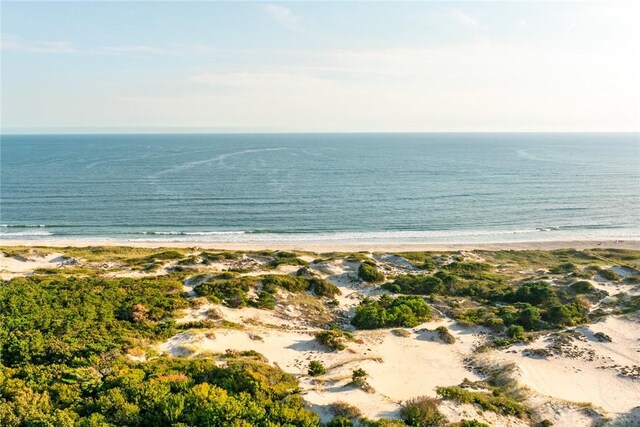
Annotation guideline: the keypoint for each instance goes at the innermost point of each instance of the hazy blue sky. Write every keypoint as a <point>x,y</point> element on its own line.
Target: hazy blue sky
<point>305,66</point>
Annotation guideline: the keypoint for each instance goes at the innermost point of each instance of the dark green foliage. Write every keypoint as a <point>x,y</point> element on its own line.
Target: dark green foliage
<point>461,267</point>
<point>340,422</point>
<point>286,258</point>
<point>265,300</point>
<point>334,339</point>
<point>209,257</point>
<point>369,273</point>
<point>296,284</point>
<point>272,282</point>
<point>609,275</point>
<point>516,332</point>
<point>564,268</point>
<point>420,285</point>
<point>56,319</point>
<point>229,290</point>
<point>322,288</point>
<point>62,340</point>
<point>422,412</point>
<point>488,402</point>
<point>403,311</point>
<point>470,423</point>
<point>421,260</point>
<point>316,368</point>
<point>582,287</point>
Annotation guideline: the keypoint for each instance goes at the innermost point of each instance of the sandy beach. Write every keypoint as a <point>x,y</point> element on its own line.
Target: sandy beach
<point>316,247</point>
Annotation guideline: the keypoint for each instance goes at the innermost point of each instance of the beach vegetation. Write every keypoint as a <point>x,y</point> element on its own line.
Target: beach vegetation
<point>63,345</point>
<point>334,339</point>
<point>609,275</point>
<point>316,368</point>
<point>285,258</point>
<point>228,290</point>
<point>486,401</point>
<point>369,273</point>
<point>421,260</point>
<point>469,423</point>
<point>444,335</point>
<point>422,412</point>
<point>403,311</point>
<point>345,410</point>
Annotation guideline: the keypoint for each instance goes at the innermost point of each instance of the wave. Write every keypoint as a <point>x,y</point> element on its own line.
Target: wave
<point>192,233</point>
<point>23,225</point>
<point>27,233</point>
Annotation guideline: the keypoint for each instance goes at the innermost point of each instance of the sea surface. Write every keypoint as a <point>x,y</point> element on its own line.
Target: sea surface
<point>320,187</point>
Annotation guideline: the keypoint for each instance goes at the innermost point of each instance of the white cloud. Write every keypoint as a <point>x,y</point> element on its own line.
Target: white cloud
<point>480,87</point>
<point>465,19</point>
<point>145,50</point>
<point>284,16</point>
<point>12,43</point>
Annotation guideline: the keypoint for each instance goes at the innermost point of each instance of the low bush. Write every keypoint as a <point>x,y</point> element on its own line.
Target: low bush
<point>609,275</point>
<point>334,339</point>
<point>345,410</point>
<point>444,335</point>
<point>316,368</point>
<point>403,311</point>
<point>422,412</point>
<point>369,273</point>
<point>488,402</point>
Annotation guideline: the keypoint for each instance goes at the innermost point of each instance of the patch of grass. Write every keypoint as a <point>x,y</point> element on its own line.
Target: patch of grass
<point>421,412</point>
<point>334,339</point>
<point>444,335</point>
<point>488,402</point>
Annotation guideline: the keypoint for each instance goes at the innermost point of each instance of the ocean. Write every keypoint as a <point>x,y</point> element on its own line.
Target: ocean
<point>414,188</point>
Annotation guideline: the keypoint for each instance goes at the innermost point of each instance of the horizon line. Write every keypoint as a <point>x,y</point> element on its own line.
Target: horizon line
<point>133,131</point>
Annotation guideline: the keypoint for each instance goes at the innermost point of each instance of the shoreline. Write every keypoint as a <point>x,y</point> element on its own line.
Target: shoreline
<point>319,247</point>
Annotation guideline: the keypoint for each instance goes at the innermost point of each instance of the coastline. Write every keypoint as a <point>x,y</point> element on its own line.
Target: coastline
<point>315,246</point>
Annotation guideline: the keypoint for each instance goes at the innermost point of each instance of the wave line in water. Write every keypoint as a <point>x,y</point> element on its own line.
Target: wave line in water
<point>218,158</point>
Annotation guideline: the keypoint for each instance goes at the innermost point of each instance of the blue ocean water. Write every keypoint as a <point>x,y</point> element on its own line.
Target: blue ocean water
<point>320,187</point>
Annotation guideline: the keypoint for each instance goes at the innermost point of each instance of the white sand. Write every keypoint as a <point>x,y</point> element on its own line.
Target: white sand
<point>581,380</point>
<point>21,266</point>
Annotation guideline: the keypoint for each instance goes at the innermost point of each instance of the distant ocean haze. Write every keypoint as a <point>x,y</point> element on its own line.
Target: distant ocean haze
<point>321,187</point>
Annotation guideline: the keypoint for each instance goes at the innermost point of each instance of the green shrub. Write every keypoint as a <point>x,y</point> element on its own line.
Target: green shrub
<point>286,258</point>
<point>369,273</point>
<point>488,402</point>
<point>272,282</point>
<point>422,412</point>
<point>416,284</point>
<point>444,335</point>
<point>316,368</point>
<point>582,287</point>
<point>340,422</point>
<point>516,332</point>
<point>470,423</point>
<point>609,275</point>
<point>265,300</point>
<point>403,311</point>
<point>345,410</point>
<point>323,288</point>
<point>564,268</point>
<point>232,292</point>
<point>333,339</point>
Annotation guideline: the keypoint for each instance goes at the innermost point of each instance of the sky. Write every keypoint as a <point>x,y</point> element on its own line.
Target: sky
<point>320,66</point>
